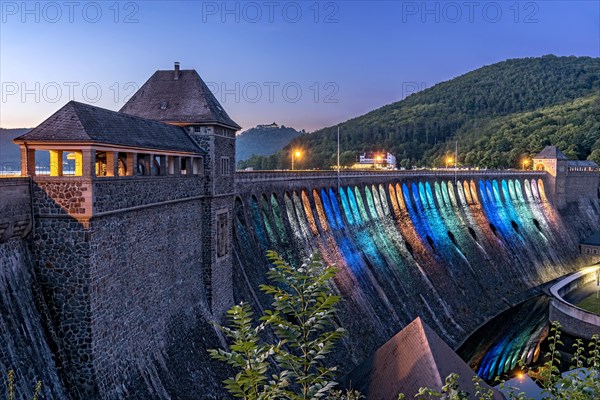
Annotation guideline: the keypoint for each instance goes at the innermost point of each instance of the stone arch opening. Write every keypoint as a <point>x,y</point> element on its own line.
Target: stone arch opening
<point>101,163</point>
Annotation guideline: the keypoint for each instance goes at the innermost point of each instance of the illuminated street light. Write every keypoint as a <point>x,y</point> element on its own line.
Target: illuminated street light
<point>525,163</point>
<point>449,161</point>
<point>295,154</point>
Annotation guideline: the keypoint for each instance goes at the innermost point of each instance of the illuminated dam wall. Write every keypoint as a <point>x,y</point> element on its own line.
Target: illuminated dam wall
<point>455,248</point>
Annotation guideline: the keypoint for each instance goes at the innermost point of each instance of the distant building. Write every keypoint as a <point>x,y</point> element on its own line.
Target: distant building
<point>381,160</point>
<point>591,246</point>
<point>269,126</point>
<point>554,161</point>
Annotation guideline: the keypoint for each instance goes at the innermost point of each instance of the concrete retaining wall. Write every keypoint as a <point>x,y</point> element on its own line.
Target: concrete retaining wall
<point>574,320</point>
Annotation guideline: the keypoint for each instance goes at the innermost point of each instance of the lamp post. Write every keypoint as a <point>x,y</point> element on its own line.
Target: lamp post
<point>295,154</point>
<point>525,164</point>
<point>378,159</point>
<point>449,161</point>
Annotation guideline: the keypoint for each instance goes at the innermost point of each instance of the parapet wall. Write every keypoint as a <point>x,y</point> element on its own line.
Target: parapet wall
<point>574,320</point>
<point>15,208</point>
<point>124,264</point>
<point>146,272</point>
<point>582,184</point>
<point>248,183</point>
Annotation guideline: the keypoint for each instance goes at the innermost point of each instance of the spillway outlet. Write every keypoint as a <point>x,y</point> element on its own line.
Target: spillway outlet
<point>473,234</point>
<point>494,230</point>
<point>514,226</point>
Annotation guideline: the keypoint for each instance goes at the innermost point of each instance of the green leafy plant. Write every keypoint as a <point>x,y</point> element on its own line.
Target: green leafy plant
<point>11,387</point>
<point>302,320</point>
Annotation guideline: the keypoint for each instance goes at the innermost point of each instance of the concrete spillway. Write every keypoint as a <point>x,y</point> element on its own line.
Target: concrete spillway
<point>455,252</point>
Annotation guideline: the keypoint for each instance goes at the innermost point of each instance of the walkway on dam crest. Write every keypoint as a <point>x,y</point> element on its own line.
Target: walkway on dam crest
<point>248,182</point>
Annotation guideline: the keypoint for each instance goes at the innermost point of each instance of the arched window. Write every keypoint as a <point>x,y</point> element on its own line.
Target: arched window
<point>101,163</point>
<point>122,167</point>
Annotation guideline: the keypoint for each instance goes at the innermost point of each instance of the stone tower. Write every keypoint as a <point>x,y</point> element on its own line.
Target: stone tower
<point>569,180</point>
<point>131,231</point>
<point>180,97</point>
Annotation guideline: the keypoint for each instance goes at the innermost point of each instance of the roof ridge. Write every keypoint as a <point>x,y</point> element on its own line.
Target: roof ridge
<point>423,328</point>
<point>187,99</point>
<point>75,104</point>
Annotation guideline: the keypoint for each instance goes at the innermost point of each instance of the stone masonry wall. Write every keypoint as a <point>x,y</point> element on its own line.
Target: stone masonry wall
<point>146,268</point>
<point>62,261</point>
<point>112,282</point>
<point>15,208</point>
<point>218,276</point>
<point>119,193</point>
<point>62,196</point>
<point>581,184</point>
<point>23,344</point>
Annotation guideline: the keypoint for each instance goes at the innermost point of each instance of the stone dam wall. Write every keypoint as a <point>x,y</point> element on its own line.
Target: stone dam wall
<point>111,284</point>
<point>455,250</point>
<point>114,293</point>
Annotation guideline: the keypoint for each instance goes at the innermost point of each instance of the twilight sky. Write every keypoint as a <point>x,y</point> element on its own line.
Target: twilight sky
<point>304,64</point>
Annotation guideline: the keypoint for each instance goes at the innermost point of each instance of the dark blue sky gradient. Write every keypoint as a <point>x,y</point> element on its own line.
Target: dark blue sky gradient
<point>335,61</point>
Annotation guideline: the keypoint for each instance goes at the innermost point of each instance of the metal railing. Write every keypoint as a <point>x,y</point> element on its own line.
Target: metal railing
<point>257,176</point>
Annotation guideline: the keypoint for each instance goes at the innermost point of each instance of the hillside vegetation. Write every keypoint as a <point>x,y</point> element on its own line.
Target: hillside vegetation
<point>498,114</point>
<point>263,141</point>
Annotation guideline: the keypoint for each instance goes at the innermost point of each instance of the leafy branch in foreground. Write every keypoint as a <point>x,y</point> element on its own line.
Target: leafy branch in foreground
<point>11,387</point>
<point>302,320</point>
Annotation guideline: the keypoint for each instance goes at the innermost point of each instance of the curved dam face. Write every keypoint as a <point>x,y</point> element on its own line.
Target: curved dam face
<point>454,251</point>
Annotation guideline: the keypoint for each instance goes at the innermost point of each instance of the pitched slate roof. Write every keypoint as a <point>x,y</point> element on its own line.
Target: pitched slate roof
<point>415,357</point>
<point>78,122</point>
<point>551,152</point>
<point>186,99</point>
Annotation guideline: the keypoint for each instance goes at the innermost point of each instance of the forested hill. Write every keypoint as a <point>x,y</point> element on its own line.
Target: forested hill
<point>535,101</point>
<point>263,140</point>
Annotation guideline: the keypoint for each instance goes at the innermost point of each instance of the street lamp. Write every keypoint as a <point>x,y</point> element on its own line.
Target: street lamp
<point>295,154</point>
<point>449,161</point>
<point>525,163</point>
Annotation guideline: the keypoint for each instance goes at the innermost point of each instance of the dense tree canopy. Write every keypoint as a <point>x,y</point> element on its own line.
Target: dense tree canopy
<point>497,113</point>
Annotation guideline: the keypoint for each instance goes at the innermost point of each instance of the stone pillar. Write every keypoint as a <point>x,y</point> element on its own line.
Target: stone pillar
<point>88,162</point>
<point>78,163</point>
<point>174,165</point>
<point>189,166</point>
<point>145,159</point>
<point>112,160</point>
<point>131,164</point>
<point>27,161</point>
<point>56,163</point>
<point>163,165</point>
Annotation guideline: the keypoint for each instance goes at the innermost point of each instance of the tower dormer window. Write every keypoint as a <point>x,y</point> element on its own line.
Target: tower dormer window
<point>163,105</point>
